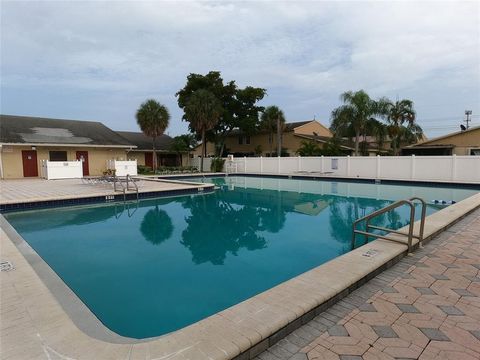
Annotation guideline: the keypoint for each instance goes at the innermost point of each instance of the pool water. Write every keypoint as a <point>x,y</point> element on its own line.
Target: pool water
<point>153,267</point>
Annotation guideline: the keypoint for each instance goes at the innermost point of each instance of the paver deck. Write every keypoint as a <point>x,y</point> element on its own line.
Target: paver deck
<point>425,307</point>
<point>26,190</point>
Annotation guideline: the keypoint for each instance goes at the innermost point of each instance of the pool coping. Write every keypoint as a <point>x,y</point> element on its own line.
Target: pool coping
<point>246,329</point>
<point>365,180</point>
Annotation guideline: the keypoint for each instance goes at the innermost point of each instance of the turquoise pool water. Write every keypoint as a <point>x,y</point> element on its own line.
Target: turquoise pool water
<point>148,270</point>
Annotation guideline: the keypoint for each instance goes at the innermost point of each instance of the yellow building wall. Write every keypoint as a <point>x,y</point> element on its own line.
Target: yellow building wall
<point>12,162</point>
<point>137,155</point>
<point>463,142</point>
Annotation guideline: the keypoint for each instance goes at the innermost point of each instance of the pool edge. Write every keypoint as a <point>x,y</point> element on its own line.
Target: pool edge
<point>244,339</point>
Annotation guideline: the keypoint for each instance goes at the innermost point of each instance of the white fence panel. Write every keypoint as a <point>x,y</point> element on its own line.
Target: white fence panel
<point>364,167</point>
<point>395,167</point>
<point>52,170</point>
<point>313,164</point>
<point>433,168</point>
<point>123,168</point>
<point>270,165</point>
<point>467,168</point>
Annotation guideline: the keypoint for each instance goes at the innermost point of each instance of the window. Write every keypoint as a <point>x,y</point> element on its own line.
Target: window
<point>242,139</point>
<point>58,156</point>
<point>474,151</point>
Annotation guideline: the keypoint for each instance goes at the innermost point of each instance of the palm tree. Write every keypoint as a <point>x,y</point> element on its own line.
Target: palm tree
<point>153,119</point>
<point>353,115</point>
<point>272,120</point>
<point>397,114</point>
<point>203,110</point>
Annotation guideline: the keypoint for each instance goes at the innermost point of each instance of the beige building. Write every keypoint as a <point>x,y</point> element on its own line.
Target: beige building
<point>143,151</point>
<point>466,142</point>
<point>26,141</point>
<point>264,144</point>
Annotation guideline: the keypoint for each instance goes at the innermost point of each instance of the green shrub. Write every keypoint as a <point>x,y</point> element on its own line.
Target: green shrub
<point>217,165</point>
<point>144,170</point>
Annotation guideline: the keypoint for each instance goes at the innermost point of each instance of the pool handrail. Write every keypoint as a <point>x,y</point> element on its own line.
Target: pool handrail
<point>410,235</point>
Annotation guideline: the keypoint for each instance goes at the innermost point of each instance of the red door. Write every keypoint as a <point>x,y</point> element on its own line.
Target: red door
<point>149,160</point>
<point>30,166</point>
<point>83,157</point>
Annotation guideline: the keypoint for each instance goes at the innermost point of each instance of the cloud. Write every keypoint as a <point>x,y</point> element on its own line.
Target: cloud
<point>102,59</point>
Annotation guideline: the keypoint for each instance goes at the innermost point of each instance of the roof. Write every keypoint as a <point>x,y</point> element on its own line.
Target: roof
<point>456,133</point>
<point>36,131</point>
<point>288,128</point>
<point>143,142</point>
<point>322,139</point>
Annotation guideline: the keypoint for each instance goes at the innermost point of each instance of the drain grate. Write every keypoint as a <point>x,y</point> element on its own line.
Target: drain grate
<point>6,266</point>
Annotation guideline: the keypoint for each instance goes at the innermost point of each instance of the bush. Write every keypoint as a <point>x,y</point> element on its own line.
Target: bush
<point>144,170</point>
<point>217,165</point>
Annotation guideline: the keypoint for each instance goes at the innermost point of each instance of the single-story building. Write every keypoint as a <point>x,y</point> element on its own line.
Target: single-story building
<point>143,151</point>
<point>26,141</point>
<point>465,142</point>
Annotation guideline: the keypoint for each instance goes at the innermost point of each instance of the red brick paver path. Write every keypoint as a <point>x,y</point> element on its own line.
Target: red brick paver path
<point>425,307</point>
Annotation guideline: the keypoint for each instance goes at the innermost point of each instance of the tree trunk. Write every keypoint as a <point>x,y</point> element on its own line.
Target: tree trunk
<point>271,143</point>
<point>154,155</point>
<point>279,138</point>
<point>204,151</point>
<point>357,141</point>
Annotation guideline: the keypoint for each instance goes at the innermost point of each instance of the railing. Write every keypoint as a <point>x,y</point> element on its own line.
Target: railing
<point>410,235</point>
<point>128,181</point>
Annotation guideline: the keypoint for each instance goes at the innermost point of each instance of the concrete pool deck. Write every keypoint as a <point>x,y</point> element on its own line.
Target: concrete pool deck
<point>34,324</point>
<point>35,190</point>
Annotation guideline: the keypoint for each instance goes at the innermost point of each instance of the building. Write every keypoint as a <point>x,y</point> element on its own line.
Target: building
<point>26,141</point>
<point>466,142</point>
<point>143,151</point>
<point>263,143</point>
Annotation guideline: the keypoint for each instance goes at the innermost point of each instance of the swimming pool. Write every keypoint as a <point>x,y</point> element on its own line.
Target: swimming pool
<point>148,270</point>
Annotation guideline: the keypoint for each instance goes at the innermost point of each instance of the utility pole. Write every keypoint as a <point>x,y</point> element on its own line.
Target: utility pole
<point>468,113</point>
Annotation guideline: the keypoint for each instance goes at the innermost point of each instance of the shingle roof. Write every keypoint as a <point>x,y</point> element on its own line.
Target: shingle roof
<point>288,127</point>
<point>145,143</point>
<point>35,130</point>
<point>456,133</point>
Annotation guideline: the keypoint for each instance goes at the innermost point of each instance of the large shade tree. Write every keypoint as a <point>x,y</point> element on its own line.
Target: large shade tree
<point>273,121</point>
<point>353,116</point>
<point>401,125</point>
<point>202,111</point>
<point>153,118</point>
<point>239,106</point>
<point>183,144</point>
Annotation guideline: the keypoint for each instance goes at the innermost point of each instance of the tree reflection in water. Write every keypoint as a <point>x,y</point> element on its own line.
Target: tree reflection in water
<point>156,226</point>
<point>217,227</point>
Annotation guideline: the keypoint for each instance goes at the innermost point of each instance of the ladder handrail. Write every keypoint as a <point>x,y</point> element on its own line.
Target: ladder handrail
<point>115,181</point>
<point>133,182</point>
<point>396,204</point>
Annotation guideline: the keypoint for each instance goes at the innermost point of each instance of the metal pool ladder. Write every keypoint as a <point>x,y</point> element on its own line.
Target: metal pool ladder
<point>124,189</point>
<point>410,235</point>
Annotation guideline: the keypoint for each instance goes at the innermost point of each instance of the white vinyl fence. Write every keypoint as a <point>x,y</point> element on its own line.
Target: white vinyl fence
<point>422,168</point>
<point>123,168</point>
<point>52,170</point>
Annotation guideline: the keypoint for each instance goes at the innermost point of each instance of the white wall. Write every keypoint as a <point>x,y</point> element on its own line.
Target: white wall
<point>429,168</point>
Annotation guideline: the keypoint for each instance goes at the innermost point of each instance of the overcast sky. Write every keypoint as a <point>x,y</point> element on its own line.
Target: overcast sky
<point>99,60</point>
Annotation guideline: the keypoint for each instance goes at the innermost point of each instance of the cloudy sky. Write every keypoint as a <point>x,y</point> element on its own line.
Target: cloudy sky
<point>95,60</point>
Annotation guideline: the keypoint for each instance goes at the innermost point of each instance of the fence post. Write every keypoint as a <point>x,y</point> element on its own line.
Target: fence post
<point>245,165</point>
<point>454,167</point>
<point>348,165</point>
<point>322,164</point>
<point>378,166</point>
<point>261,164</point>
<point>412,167</point>
<point>278,165</point>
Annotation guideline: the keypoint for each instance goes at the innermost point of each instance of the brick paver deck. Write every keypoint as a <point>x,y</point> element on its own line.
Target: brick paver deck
<point>425,307</point>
